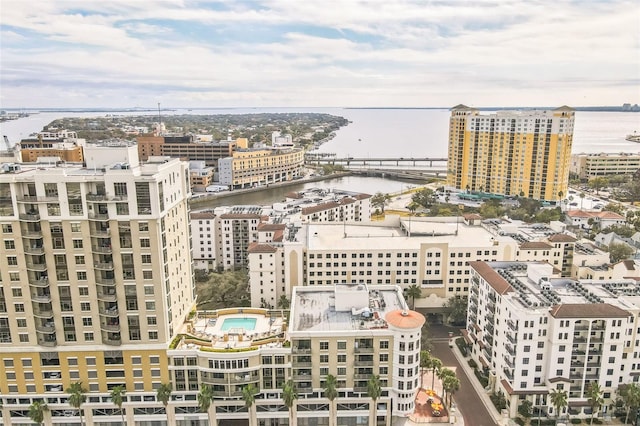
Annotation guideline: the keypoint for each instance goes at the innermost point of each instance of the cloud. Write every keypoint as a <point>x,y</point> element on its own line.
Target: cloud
<point>354,53</point>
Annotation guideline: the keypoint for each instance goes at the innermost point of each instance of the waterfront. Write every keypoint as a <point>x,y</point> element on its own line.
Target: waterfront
<point>376,132</point>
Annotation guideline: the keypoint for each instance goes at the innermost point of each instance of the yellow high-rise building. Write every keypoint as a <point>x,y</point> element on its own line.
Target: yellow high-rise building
<point>519,153</point>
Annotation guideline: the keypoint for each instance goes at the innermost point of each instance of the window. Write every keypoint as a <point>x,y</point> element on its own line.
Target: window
<point>150,306</point>
<point>12,260</point>
<point>342,345</point>
<point>145,242</point>
<point>7,228</point>
<point>146,258</point>
<point>152,321</point>
<point>384,344</point>
<point>324,358</point>
<point>9,244</point>
<point>324,346</point>
<point>342,358</point>
<point>384,357</point>
<point>153,335</point>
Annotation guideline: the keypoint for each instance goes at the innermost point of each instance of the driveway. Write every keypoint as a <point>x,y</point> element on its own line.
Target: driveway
<point>469,403</point>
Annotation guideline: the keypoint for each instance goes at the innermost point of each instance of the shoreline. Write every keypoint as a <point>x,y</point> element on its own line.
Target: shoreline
<point>204,199</point>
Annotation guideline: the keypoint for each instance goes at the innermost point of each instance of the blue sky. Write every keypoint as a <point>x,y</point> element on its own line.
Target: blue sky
<point>182,53</point>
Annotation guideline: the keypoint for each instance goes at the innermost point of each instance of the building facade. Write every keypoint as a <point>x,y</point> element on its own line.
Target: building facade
<point>260,166</point>
<point>534,332</point>
<point>589,166</point>
<point>185,147</point>
<point>96,279</point>
<point>514,153</point>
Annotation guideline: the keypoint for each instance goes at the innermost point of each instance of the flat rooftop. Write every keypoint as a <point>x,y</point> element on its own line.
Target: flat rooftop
<point>359,307</point>
<point>534,289</point>
<point>409,235</point>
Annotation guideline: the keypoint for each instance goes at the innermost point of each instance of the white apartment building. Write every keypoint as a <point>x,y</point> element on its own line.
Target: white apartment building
<point>95,281</point>
<point>534,332</point>
<point>203,230</point>
<point>433,253</point>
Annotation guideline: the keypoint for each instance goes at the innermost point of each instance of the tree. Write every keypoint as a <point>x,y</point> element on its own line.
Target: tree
<point>614,207</point>
<point>117,397</point>
<point>443,375</point>
<point>37,410</point>
<point>558,400</point>
<point>413,291</point>
<point>205,398</point>
<point>622,230</point>
<point>283,302</point>
<point>249,397</point>
<point>380,200</point>
<point>597,183</point>
<point>77,397</point>
<point>594,395</point>
<point>457,307</point>
<point>450,384</point>
<point>289,396</point>
<point>570,201</point>
<point>526,410</point>
<point>435,365</point>
<point>630,394</point>
<point>425,362</point>
<point>620,251</point>
<point>374,391</point>
<point>582,195</point>
<point>331,393</point>
<point>163,394</point>
<point>425,197</point>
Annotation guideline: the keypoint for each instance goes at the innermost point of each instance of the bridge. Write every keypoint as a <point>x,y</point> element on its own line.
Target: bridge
<point>320,158</point>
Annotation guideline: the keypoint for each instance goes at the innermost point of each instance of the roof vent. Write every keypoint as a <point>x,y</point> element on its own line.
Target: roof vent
<point>405,313</point>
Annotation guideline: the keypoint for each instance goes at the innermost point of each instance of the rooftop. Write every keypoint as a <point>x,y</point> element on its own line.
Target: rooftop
<point>344,307</point>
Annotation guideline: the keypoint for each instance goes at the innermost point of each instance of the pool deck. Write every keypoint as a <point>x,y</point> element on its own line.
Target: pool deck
<point>206,328</point>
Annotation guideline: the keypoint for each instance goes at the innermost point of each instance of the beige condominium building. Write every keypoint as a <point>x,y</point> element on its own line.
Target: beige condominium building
<point>260,166</point>
<point>516,153</point>
<point>588,166</point>
<point>95,280</point>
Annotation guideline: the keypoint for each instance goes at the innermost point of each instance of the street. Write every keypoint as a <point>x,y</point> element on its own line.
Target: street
<point>468,402</point>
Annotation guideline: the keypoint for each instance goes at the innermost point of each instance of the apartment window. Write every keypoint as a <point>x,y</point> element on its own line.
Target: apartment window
<point>153,335</point>
<point>7,228</point>
<point>152,321</point>
<point>87,321</point>
<point>342,358</point>
<point>12,260</point>
<point>16,292</point>
<point>147,275</point>
<point>75,227</point>
<point>324,346</point>
<point>150,306</point>
<point>324,358</point>
<point>81,276</point>
<point>145,242</point>
<point>85,306</point>
<point>21,322</point>
<point>143,227</point>
<point>9,244</point>
<point>342,371</point>
<point>146,258</point>
<point>384,357</point>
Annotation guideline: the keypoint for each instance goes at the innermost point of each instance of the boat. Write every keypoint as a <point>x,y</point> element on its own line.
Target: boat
<point>633,138</point>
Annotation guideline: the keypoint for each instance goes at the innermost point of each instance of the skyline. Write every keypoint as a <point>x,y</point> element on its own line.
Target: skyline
<point>123,54</point>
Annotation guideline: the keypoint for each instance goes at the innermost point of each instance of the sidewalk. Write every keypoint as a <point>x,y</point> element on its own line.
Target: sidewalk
<point>484,396</point>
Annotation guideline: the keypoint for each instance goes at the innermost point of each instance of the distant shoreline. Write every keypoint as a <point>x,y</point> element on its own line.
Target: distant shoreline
<point>173,109</point>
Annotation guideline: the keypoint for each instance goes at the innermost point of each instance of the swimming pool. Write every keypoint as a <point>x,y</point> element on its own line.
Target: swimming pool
<point>248,324</point>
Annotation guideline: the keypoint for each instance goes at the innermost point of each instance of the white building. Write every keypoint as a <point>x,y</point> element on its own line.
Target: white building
<point>533,332</point>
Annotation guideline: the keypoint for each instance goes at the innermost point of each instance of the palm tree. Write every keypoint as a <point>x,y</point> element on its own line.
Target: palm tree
<point>289,396</point>
<point>444,374</point>
<point>451,384</point>
<point>594,393</point>
<point>249,397</point>
<point>205,398</point>
<point>163,394</point>
<point>435,365</point>
<point>37,410</point>
<point>283,302</point>
<point>425,362</point>
<point>630,394</point>
<point>413,291</point>
<point>77,397</point>
<point>374,390</point>
<point>331,393</point>
<point>582,195</point>
<point>558,400</point>
<point>117,397</point>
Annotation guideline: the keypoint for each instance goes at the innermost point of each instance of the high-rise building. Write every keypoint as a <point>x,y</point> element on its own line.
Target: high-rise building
<point>517,153</point>
<point>95,279</point>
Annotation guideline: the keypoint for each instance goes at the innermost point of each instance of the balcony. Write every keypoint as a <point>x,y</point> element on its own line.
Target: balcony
<point>214,380</point>
<point>110,312</point>
<point>108,297</point>
<point>50,343</point>
<point>512,325</point>
<point>509,362</point>
<point>103,217</point>
<point>113,341</point>
<point>508,374</point>
<point>364,363</point>
<point>246,378</point>
<point>41,298</point>
<point>102,249</point>
<point>43,312</point>
<point>360,350</point>
<point>105,198</point>
<point>32,234</point>
<point>512,339</point>
<point>47,328</point>
<point>297,350</point>
<point>105,281</point>
<point>29,217</point>
<point>34,251</point>
<point>38,267</point>
<point>110,327</point>
<point>302,364</point>
<point>510,349</point>
<point>104,266</point>
<point>98,232</point>
<point>39,282</point>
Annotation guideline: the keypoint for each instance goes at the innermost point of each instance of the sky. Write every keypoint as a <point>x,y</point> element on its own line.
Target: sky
<point>318,53</point>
